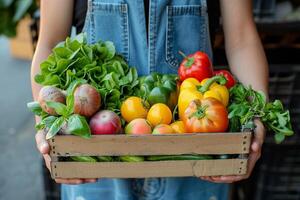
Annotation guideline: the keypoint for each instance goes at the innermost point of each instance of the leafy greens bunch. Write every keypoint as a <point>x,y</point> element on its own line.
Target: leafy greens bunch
<point>98,64</point>
<point>247,104</point>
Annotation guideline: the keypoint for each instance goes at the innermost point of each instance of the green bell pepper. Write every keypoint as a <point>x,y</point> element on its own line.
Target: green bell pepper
<point>159,88</point>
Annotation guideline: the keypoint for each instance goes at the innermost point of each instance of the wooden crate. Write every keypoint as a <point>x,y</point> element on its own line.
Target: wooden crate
<point>116,145</point>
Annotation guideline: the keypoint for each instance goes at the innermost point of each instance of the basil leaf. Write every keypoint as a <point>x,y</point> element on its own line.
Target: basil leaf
<point>70,104</point>
<point>78,125</point>
<point>48,121</point>
<point>40,126</point>
<point>56,126</point>
<point>59,108</point>
<point>35,108</point>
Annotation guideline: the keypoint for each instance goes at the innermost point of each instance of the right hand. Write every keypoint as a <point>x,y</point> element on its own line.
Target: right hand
<point>44,149</point>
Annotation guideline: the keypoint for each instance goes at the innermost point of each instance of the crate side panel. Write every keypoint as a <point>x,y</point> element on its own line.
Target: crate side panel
<point>149,169</point>
<point>212,143</point>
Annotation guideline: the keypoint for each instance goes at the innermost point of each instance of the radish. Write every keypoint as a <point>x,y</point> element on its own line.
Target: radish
<point>87,100</point>
<point>105,122</point>
<point>50,93</point>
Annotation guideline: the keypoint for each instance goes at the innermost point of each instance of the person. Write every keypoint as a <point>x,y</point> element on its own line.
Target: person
<point>150,39</point>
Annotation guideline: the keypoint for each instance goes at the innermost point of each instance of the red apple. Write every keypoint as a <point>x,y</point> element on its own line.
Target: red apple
<point>105,122</point>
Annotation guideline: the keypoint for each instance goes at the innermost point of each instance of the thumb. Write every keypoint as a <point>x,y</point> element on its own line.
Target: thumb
<point>41,142</point>
<point>259,135</point>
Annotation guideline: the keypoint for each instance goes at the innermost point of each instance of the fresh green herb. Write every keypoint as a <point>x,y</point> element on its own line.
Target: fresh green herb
<point>247,104</point>
<point>78,125</point>
<point>97,64</point>
<point>59,108</point>
<point>36,109</point>
<point>55,127</point>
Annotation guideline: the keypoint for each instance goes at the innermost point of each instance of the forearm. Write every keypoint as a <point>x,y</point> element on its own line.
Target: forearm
<point>244,50</point>
<point>55,26</point>
<point>248,62</point>
<point>39,56</point>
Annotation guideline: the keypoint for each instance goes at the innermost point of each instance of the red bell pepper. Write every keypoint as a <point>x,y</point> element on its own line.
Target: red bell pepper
<point>229,77</point>
<point>197,65</point>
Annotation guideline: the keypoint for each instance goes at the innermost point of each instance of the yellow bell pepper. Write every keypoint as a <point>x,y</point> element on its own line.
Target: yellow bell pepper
<point>192,89</point>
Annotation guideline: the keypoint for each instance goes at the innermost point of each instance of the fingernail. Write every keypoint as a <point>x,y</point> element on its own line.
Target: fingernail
<point>255,147</point>
<point>44,148</point>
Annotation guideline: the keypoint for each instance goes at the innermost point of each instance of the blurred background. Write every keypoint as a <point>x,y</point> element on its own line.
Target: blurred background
<point>23,175</point>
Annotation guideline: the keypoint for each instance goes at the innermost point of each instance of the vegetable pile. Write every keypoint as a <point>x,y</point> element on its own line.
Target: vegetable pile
<point>90,89</point>
<point>97,63</point>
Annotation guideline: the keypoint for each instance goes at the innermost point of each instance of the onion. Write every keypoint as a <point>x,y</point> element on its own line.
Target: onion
<point>87,100</point>
<point>50,93</point>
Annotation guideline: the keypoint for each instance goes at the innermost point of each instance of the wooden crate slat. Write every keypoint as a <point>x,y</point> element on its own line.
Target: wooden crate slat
<point>149,169</point>
<point>208,143</point>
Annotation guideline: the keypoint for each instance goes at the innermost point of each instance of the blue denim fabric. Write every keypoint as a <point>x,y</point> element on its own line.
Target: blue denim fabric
<point>185,188</point>
<point>173,25</point>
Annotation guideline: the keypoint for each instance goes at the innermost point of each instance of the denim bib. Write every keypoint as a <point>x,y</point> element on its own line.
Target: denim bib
<point>174,25</point>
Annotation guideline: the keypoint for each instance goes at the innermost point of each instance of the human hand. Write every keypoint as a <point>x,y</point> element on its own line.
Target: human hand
<point>255,153</point>
<point>44,149</point>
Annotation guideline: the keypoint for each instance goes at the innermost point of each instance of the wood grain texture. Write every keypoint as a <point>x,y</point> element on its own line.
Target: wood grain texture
<point>114,145</point>
<point>149,169</point>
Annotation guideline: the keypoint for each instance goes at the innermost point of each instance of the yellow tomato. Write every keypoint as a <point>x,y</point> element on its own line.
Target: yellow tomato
<point>133,108</point>
<point>178,127</point>
<point>159,114</point>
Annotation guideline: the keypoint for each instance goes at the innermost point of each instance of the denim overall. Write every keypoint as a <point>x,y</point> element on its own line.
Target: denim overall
<point>173,25</point>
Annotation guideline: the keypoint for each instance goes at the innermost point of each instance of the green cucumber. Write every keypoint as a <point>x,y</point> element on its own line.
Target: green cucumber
<point>132,158</point>
<point>83,159</point>
<point>105,159</point>
<point>179,157</point>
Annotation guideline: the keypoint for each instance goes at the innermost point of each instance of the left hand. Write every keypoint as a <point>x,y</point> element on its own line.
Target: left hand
<point>256,145</point>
